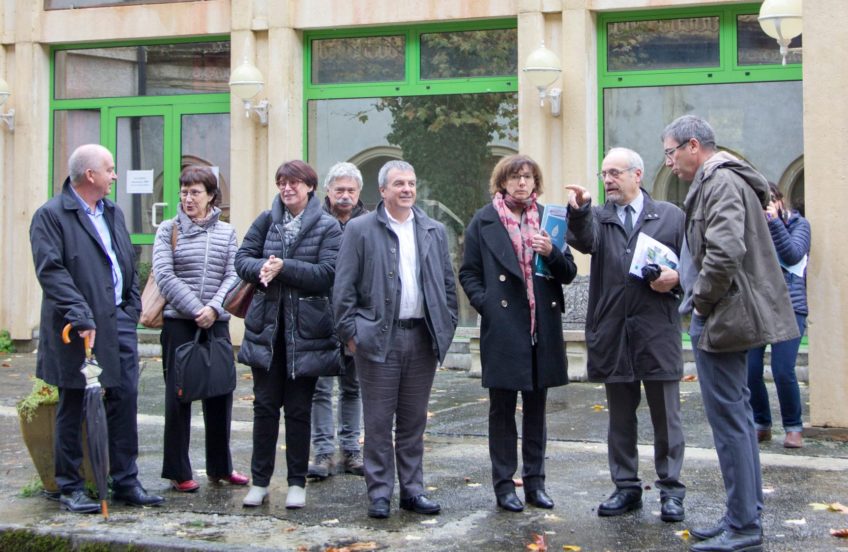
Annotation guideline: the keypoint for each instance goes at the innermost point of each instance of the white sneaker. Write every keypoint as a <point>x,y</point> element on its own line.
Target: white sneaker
<point>296,497</point>
<point>256,496</point>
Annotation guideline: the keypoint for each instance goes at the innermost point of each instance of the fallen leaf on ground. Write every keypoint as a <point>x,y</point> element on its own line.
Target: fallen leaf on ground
<point>538,544</point>
<point>6,365</point>
<point>597,407</point>
<point>518,482</point>
<point>768,490</point>
<point>429,414</point>
<point>837,507</point>
<point>467,479</point>
<point>410,538</point>
<point>689,377</point>
<point>571,548</point>
<point>360,546</point>
<point>841,533</point>
<point>291,529</point>
<point>429,522</point>
<point>247,398</point>
<point>330,522</point>
<point>795,522</point>
<point>473,485</point>
<point>552,517</point>
<point>432,488</point>
<point>683,534</point>
<point>819,506</point>
<point>247,377</point>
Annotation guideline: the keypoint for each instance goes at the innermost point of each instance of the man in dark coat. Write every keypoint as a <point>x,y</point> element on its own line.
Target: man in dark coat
<point>85,264</point>
<point>735,290</point>
<point>395,307</point>
<point>633,328</point>
<point>343,186</point>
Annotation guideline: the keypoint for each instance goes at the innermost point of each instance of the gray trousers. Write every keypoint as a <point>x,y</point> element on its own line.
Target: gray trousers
<point>397,391</point>
<point>664,403</point>
<point>349,412</point>
<point>724,389</point>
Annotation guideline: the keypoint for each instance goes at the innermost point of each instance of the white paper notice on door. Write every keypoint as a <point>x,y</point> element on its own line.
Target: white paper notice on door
<point>140,182</point>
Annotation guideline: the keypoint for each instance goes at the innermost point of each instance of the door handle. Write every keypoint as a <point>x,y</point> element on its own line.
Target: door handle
<point>153,207</point>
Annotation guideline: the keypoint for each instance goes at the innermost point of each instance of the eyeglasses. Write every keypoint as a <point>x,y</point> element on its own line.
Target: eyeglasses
<point>526,176</point>
<point>670,151</point>
<point>615,173</point>
<point>293,184</point>
<point>193,193</point>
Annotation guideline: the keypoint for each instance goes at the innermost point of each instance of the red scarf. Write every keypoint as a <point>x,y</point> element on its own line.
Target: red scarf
<point>520,234</point>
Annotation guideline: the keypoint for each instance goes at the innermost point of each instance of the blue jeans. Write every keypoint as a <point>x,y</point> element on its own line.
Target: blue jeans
<point>349,410</point>
<point>783,356</point>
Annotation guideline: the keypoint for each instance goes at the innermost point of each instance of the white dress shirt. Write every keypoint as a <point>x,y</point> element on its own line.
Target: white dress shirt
<point>411,299</point>
<point>637,204</point>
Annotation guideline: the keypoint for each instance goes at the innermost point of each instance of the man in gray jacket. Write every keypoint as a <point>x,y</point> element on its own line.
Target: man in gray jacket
<point>395,307</point>
<point>735,291</point>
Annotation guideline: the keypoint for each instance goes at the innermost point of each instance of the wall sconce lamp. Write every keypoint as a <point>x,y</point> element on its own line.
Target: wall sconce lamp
<point>542,68</point>
<point>781,20</point>
<point>8,117</point>
<point>246,82</point>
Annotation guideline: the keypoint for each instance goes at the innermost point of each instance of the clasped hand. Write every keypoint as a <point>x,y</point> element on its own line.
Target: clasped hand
<point>270,269</point>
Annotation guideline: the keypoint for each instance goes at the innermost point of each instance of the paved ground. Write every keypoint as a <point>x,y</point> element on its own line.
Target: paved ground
<point>456,472</point>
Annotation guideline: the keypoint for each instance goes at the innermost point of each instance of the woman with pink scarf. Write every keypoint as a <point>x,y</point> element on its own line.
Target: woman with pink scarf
<point>521,344</point>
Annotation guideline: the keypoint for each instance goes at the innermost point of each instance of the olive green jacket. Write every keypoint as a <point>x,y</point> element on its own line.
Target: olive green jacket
<point>739,286</point>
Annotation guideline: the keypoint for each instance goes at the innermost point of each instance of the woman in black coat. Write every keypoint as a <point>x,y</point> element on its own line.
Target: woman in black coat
<point>521,323</point>
<point>290,251</point>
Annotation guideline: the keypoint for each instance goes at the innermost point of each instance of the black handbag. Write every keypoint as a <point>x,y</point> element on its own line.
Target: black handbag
<point>204,367</point>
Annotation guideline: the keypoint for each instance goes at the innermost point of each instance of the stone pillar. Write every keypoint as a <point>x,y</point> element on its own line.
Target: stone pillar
<point>825,137</point>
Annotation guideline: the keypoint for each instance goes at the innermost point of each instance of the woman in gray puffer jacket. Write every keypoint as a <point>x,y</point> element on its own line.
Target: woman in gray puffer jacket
<point>193,259</point>
<point>290,251</point>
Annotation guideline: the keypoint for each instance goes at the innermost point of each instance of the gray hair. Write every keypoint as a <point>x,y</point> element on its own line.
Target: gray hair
<point>342,170</point>
<point>687,127</point>
<point>88,156</point>
<point>633,158</point>
<point>397,164</point>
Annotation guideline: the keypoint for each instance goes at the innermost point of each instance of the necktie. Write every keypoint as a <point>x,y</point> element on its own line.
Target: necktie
<point>628,220</point>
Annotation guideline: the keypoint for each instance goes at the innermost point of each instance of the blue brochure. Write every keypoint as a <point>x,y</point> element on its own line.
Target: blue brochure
<point>555,223</point>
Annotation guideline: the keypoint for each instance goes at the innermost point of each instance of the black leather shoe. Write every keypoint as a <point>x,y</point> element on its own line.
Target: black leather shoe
<point>420,505</point>
<point>539,499</point>
<point>78,503</point>
<point>704,533</point>
<point>730,541</point>
<point>672,509</point>
<point>510,502</point>
<point>620,502</point>
<point>379,508</point>
<point>137,496</point>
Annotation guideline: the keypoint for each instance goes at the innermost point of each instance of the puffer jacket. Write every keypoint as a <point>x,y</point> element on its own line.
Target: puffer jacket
<point>297,301</point>
<point>792,242</point>
<point>739,288</point>
<point>200,271</point>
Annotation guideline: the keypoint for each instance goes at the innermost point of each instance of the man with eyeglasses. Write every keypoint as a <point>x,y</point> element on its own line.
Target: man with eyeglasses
<point>736,293</point>
<point>633,329</point>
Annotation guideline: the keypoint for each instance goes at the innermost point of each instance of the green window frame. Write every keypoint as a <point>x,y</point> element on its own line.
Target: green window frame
<point>104,105</point>
<point>728,70</point>
<point>412,83</point>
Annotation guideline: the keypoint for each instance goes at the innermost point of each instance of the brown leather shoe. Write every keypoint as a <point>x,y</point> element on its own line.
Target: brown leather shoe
<point>793,440</point>
<point>763,435</point>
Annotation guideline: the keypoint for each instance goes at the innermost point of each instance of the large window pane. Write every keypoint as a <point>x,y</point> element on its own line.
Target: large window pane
<point>73,4</point>
<point>663,44</point>
<point>757,48</point>
<point>205,141</point>
<point>152,70</point>
<point>469,54</point>
<point>71,129</point>
<point>452,141</point>
<point>366,59</point>
<point>762,122</point>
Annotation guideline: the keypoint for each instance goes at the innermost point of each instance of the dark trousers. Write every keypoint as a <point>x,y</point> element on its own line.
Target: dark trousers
<point>724,390</point>
<point>121,408</point>
<point>664,403</point>
<point>398,391</point>
<point>503,439</point>
<point>217,411</point>
<point>272,390</point>
<point>783,357</point>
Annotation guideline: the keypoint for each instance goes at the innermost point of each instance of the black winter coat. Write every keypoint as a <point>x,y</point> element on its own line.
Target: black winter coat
<point>76,277</point>
<point>493,281</point>
<point>301,290</point>
<point>632,332</point>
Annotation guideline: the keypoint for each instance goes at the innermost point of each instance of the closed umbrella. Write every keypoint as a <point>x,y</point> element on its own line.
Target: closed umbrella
<point>95,421</point>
